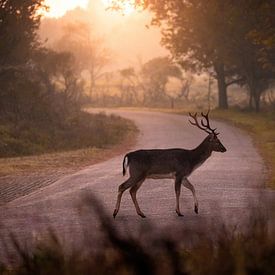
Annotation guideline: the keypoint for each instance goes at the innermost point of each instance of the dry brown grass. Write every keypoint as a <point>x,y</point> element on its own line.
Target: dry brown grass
<point>68,161</point>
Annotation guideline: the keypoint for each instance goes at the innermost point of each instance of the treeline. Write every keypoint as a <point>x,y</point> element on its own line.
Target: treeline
<point>41,93</point>
<point>158,82</point>
<point>36,83</point>
<point>232,40</point>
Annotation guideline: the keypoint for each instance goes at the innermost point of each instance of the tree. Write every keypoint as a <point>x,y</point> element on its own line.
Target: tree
<point>19,21</point>
<point>155,75</point>
<point>245,54</point>
<point>129,85</point>
<point>193,32</point>
<point>263,33</point>
<point>178,88</point>
<point>223,35</point>
<point>58,74</point>
<point>89,50</point>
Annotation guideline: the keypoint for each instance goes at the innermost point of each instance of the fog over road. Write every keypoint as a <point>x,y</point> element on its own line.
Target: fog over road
<point>228,185</point>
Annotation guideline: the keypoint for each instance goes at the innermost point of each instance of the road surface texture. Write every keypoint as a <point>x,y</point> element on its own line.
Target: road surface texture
<point>228,185</point>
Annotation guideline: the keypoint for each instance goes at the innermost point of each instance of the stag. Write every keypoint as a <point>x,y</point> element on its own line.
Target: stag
<point>175,164</point>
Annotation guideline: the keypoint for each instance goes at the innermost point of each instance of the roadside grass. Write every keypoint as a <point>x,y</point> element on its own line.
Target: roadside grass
<point>97,138</point>
<point>261,126</point>
<point>68,161</point>
<point>219,250</point>
<point>77,131</point>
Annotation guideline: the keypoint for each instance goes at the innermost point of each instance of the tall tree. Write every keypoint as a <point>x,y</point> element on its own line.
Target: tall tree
<point>19,21</point>
<point>155,75</point>
<point>194,32</point>
<point>90,53</point>
<point>252,59</point>
<point>223,35</point>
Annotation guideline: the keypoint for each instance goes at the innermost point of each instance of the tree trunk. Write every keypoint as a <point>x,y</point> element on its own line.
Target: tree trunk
<point>250,101</point>
<point>172,102</point>
<point>257,99</point>
<point>255,93</point>
<point>222,88</point>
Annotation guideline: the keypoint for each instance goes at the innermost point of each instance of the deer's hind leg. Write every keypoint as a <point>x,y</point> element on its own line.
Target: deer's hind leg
<point>122,188</point>
<point>133,193</point>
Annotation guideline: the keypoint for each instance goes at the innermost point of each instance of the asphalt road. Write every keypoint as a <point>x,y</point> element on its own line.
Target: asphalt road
<point>228,187</point>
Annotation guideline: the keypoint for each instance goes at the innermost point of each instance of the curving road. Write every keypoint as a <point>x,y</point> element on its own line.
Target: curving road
<point>228,186</point>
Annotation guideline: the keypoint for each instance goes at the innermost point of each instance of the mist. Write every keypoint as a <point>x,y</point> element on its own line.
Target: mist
<point>128,37</point>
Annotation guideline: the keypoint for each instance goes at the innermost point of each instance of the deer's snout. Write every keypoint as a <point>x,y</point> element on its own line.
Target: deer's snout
<point>222,149</point>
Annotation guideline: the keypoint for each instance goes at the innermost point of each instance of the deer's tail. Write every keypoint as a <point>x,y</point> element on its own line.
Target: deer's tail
<point>124,165</point>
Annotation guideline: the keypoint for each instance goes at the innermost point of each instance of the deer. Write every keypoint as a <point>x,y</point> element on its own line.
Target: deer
<point>174,163</point>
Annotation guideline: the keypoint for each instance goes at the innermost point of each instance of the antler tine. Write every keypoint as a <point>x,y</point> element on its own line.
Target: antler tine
<point>207,124</point>
<point>196,123</point>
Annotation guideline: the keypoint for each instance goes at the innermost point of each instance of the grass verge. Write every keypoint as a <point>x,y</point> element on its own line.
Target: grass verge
<point>109,136</point>
<point>261,126</point>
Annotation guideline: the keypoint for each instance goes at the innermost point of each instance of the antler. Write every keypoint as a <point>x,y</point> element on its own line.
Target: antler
<point>204,126</point>
<point>207,125</point>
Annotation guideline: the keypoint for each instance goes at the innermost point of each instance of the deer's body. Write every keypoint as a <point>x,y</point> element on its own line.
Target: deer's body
<point>165,163</point>
<point>175,164</point>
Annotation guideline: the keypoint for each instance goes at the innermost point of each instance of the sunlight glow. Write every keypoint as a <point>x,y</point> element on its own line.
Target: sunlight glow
<point>57,8</point>
<point>126,7</point>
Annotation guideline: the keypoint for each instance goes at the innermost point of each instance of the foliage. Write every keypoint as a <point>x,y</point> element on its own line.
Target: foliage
<point>89,51</point>
<point>75,131</point>
<point>19,22</point>
<point>42,92</point>
<point>233,40</point>
<point>155,74</point>
<point>156,82</point>
<point>263,34</point>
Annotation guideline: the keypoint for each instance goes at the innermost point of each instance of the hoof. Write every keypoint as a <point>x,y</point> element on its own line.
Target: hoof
<point>196,210</point>
<point>142,215</point>
<point>179,214</point>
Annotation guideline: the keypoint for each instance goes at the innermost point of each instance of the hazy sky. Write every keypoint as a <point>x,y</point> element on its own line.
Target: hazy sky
<point>125,35</point>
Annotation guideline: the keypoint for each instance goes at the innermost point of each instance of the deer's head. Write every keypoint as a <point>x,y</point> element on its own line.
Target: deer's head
<point>213,142</point>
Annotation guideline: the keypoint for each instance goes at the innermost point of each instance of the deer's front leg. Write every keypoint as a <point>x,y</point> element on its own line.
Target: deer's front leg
<point>177,190</point>
<point>186,183</point>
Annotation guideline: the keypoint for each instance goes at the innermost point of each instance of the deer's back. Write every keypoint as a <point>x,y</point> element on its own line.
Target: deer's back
<point>158,162</point>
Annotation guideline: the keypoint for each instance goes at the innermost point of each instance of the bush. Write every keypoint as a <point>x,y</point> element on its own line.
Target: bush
<point>78,131</point>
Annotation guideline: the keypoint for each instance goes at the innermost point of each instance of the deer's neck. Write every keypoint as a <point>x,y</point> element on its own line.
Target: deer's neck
<point>201,153</point>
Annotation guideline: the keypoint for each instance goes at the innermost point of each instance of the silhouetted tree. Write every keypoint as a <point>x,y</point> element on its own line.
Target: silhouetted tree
<point>90,53</point>
<point>19,21</point>
<point>235,38</point>
<point>155,75</point>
